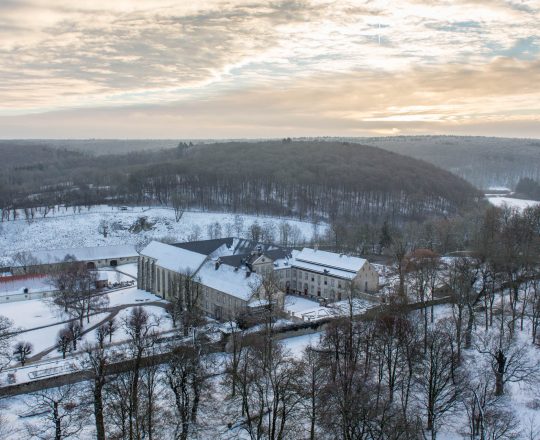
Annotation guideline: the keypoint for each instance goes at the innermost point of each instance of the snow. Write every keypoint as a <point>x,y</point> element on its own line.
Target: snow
<point>131,296</point>
<point>164,324</point>
<point>297,344</point>
<point>45,338</point>
<point>227,279</point>
<point>314,267</point>
<point>311,310</point>
<point>499,188</point>
<point>174,258</point>
<point>330,259</point>
<point>51,256</point>
<point>298,305</point>
<point>113,276</point>
<point>130,269</point>
<point>67,229</point>
<point>30,314</point>
<point>511,202</point>
<point>33,284</point>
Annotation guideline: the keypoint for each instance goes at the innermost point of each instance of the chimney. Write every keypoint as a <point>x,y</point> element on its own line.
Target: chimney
<point>218,263</point>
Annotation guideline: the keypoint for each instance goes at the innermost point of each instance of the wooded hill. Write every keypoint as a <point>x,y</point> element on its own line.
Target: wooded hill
<point>303,179</point>
<point>483,161</point>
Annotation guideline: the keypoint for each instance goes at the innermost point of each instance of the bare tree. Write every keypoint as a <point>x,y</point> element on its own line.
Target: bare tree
<point>96,360</point>
<point>270,391</point>
<point>141,329</point>
<point>423,266</point>
<point>178,204</point>
<point>76,295</point>
<point>60,413</point>
<point>311,380</point>
<point>6,337</point>
<point>238,225</point>
<point>185,378</point>
<point>26,261</point>
<point>22,351</point>
<point>110,328</point>
<point>75,331</point>
<point>103,228</point>
<point>63,342</point>
<point>488,419</point>
<point>235,347</point>
<point>439,376</point>
<point>509,360</point>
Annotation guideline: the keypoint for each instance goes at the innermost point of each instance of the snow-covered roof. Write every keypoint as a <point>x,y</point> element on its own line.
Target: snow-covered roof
<point>174,258</point>
<point>17,286</point>
<point>346,274</point>
<point>228,280</point>
<point>330,259</point>
<point>52,256</point>
<point>322,262</point>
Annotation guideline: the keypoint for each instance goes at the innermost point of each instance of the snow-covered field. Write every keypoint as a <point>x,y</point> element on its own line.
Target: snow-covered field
<point>511,202</point>
<point>66,229</point>
<point>31,314</point>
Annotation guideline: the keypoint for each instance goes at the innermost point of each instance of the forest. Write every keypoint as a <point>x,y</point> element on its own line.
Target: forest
<point>483,161</point>
<point>311,179</point>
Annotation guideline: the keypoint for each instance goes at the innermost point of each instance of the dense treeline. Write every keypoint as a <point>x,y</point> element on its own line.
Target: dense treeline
<point>528,188</point>
<point>483,161</point>
<point>305,179</point>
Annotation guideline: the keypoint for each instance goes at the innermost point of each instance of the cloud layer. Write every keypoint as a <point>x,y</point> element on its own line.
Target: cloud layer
<point>257,68</point>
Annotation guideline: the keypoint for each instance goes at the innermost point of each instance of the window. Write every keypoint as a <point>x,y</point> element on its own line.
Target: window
<point>305,276</point>
<point>332,282</point>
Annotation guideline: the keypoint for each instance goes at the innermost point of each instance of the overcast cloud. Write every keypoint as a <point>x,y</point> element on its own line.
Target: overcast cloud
<point>268,68</point>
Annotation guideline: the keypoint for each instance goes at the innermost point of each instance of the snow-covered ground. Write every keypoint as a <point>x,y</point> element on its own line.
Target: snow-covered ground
<point>130,269</point>
<point>131,296</point>
<point>309,310</point>
<point>162,322</point>
<point>66,229</point>
<point>297,344</point>
<point>511,202</point>
<point>31,314</point>
<point>45,338</point>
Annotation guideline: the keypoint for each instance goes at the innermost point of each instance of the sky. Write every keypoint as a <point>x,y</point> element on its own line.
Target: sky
<point>233,69</point>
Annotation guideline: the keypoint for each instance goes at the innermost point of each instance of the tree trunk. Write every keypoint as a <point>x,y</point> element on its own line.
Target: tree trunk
<point>57,422</point>
<point>98,410</point>
<point>468,331</point>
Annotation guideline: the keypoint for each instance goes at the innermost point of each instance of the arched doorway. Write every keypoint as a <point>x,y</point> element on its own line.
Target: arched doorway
<point>113,263</point>
<point>91,265</point>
